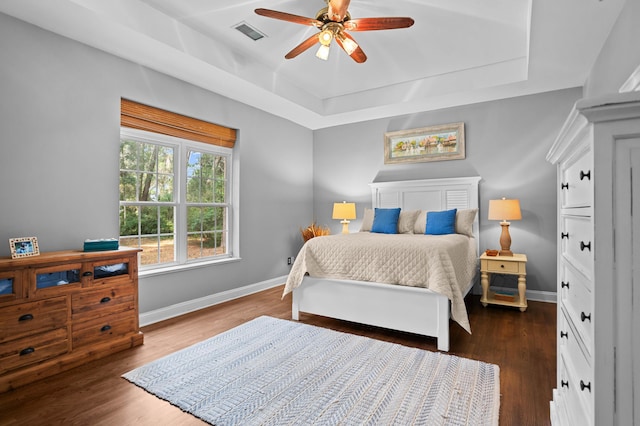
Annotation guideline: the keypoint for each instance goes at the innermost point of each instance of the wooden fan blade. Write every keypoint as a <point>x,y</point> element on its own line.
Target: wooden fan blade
<point>302,47</point>
<point>337,10</point>
<point>358,54</point>
<point>373,24</point>
<point>289,17</point>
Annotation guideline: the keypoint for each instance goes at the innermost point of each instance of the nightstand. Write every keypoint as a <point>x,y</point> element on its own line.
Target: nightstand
<point>510,265</point>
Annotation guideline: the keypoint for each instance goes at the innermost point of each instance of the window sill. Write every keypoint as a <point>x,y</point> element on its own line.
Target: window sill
<point>186,267</point>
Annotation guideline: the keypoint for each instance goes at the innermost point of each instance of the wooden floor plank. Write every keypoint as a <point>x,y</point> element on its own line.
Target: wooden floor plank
<point>521,344</point>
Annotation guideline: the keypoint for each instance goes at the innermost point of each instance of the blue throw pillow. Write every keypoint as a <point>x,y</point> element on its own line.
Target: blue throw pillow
<point>385,221</point>
<point>441,223</point>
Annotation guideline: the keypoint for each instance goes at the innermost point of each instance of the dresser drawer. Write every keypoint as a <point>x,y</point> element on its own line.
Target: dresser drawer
<point>104,329</point>
<point>576,237</point>
<point>579,374</point>
<point>569,400</point>
<point>29,350</point>
<point>112,272</point>
<point>576,175</point>
<point>575,293</point>
<point>105,301</point>
<point>29,318</point>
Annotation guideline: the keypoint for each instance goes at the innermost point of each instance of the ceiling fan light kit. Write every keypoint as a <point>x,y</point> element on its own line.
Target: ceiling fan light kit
<point>348,45</point>
<point>323,52</point>
<point>332,21</point>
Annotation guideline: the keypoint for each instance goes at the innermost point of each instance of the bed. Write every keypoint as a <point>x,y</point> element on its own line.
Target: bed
<point>409,308</point>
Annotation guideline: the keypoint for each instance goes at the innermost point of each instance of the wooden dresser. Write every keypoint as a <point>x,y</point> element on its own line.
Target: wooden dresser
<point>59,310</point>
<point>595,154</point>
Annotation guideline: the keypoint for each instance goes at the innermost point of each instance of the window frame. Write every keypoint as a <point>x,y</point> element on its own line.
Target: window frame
<point>181,150</point>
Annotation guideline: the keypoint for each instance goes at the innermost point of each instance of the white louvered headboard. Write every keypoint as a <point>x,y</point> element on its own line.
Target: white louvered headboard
<point>429,194</point>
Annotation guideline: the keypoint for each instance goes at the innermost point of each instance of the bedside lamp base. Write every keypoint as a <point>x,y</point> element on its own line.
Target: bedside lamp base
<point>345,226</point>
<point>505,240</point>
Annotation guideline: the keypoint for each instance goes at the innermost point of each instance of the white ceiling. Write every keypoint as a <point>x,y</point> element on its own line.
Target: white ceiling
<point>457,52</point>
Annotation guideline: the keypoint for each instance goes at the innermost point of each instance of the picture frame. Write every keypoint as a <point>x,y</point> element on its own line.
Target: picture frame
<point>24,247</point>
<point>433,143</point>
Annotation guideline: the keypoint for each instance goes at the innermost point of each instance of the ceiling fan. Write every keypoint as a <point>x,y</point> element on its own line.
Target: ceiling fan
<point>333,22</point>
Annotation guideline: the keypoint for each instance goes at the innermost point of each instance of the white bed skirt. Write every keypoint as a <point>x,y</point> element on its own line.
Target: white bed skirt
<point>411,309</point>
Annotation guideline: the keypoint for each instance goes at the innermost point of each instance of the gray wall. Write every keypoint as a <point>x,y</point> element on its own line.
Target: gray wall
<point>619,56</point>
<point>506,144</point>
<point>59,116</point>
<point>59,131</point>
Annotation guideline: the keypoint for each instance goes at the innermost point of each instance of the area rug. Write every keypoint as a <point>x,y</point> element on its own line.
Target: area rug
<point>270,371</point>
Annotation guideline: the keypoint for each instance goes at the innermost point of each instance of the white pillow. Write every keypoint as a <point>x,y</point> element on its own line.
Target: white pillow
<point>406,221</point>
<point>464,221</point>
<point>420,225</point>
<point>367,220</point>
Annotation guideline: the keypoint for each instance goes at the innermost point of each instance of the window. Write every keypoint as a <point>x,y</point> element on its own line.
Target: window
<point>175,197</point>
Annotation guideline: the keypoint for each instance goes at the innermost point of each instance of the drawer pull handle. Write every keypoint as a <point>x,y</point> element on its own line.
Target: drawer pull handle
<point>26,317</point>
<point>105,328</point>
<point>563,284</point>
<point>564,235</point>
<point>27,351</point>
<point>105,300</point>
<point>87,274</point>
<point>585,175</point>
<point>564,334</point>
<point>564,384</point>
<point>583,386</point>
<point>585,246</point>
<point>584,317</point>
<point>564,186</point>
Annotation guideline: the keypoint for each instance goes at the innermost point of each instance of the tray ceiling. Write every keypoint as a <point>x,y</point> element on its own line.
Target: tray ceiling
<point>457,52</point>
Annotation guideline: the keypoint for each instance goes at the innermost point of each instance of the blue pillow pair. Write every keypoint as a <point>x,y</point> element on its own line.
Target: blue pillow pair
<point>385,221</point>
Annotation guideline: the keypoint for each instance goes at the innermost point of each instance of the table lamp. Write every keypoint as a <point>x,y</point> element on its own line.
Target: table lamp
<point>344,211</point>
<point>505,210</point>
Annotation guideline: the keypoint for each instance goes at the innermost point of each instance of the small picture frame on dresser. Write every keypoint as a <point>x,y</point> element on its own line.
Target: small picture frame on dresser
<point>23,247</point>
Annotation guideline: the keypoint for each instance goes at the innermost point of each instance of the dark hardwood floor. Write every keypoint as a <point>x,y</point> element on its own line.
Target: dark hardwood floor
<point>521,344</point>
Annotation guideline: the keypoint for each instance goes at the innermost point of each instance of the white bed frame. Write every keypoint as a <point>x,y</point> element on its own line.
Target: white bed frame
<point>410,309</point>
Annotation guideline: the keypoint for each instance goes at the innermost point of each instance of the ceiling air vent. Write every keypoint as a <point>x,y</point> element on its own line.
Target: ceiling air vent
<point>249,31</point>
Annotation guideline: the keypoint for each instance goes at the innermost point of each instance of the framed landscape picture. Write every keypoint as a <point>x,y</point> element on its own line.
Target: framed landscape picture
<point>23,247</point>
<point>434,143</point>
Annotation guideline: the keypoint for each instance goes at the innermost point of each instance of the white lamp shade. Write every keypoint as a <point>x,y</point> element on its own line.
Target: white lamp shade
<point>323,52</point>
<point>504,210</point>
<point>344,211</point>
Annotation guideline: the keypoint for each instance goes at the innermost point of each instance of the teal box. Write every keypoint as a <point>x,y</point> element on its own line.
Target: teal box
<point>101,245</point>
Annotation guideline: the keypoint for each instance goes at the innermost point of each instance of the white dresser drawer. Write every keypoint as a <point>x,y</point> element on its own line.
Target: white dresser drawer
<point>575,293</point>
<point>576,177</point>
<point>571,410</point>
<point>576,376</point>
<point>576,237</point>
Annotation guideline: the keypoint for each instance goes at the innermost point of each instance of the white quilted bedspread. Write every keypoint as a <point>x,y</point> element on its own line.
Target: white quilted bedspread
<point>442,263</point>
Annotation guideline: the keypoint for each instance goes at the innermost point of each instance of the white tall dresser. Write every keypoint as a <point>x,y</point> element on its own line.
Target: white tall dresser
<point>598,331</point>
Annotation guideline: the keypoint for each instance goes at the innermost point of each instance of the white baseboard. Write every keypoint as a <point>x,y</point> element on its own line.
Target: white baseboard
<point>542,296</point>
<point>151,317</point>
<point>534,295</point>
<point>178,309</point>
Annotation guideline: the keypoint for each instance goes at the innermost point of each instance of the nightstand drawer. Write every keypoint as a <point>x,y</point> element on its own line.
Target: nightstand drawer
<point>29,350</point>
<point>501,266</point>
